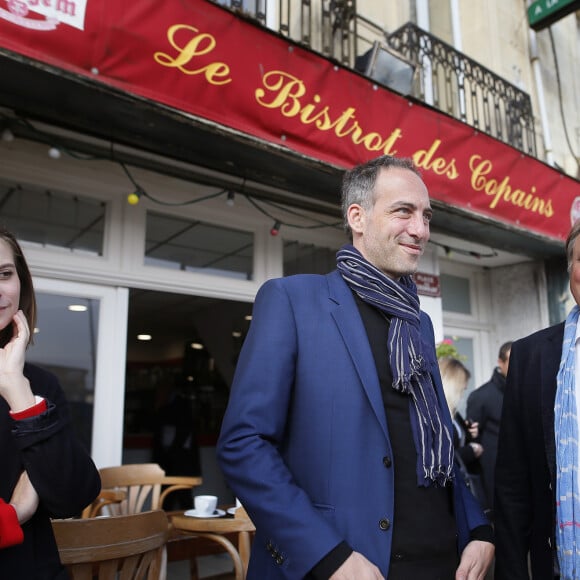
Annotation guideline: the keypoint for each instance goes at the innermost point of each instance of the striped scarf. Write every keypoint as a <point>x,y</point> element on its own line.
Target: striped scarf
<point>399,301</point>
<point>566,433</point>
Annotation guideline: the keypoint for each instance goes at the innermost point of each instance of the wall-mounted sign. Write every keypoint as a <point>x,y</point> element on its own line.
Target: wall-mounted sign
<point>543,13</point>
<point>427,284</point>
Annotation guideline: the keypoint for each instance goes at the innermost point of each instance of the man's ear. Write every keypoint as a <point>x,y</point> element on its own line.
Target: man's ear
<point>356,218</point>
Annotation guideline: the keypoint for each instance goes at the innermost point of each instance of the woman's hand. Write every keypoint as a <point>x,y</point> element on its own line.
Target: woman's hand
<point>24,498</point>
<point>14,386</point>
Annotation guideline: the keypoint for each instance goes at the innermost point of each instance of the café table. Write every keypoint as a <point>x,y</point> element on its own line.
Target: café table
<point>216,529</point>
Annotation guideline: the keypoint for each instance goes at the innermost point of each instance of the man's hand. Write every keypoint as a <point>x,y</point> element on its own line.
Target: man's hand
<point>357,567</point>
<point>475,560</point>
<point>473,428</point>
<point>24,498</point>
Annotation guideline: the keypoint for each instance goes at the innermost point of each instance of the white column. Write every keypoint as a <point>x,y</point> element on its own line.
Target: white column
<point>422,7</point>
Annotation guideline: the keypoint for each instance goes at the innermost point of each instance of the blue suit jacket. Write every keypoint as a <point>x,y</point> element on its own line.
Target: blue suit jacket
<point>305,431</point>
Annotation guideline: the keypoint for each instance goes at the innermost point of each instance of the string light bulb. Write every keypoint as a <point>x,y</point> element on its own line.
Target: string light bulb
<point>275,230</point>
<point>134,197</point>
<point>7,135</point>
<point>54,153</point>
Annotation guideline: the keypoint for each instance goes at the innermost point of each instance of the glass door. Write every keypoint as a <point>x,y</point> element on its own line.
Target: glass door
<point>81,338</point>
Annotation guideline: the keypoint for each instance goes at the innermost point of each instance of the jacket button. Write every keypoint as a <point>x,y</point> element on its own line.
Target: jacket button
<point>387,461</point>
<point>384,524</point>
<point>279,560</point>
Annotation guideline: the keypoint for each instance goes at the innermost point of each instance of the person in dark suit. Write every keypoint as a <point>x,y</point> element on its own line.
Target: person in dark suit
<point>537,514</point>
<point>337,439</point>
<point>484,407</point>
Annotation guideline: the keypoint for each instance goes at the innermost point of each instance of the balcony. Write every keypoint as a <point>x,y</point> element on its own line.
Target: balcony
<point>443,77</point>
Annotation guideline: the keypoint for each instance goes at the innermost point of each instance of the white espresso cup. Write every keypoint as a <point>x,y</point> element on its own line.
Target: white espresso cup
<point>205,505</point>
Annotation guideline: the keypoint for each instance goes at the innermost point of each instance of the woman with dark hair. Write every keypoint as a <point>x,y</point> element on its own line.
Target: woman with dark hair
<point>46,473</point>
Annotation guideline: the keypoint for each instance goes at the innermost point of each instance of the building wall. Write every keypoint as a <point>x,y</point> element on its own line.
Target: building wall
<point>566,36</point>
<point>496,34</point>
<point>388,15</point>
<point>519,297</point>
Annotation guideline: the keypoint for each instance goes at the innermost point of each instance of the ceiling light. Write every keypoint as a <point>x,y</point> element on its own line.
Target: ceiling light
<point>196,346</point>
<point>236,334</point>
<point>248,317</point>
<point>144,337</point>
<point>77,307</point>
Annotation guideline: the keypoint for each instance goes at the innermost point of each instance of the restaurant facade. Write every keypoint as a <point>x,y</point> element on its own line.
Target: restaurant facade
<point>160,161</point>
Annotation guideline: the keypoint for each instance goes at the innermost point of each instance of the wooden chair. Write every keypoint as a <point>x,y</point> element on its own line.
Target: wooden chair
<point>106,497</point>
<point>117,547</point>
<point>145,487</point>
<point>145,484</point>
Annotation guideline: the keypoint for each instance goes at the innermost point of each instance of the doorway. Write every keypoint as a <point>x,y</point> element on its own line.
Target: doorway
<point>181,356</point>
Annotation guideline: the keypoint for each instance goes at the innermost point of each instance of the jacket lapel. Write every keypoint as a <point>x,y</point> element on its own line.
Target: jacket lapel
<point>549,370</point>
<point>351,328</point>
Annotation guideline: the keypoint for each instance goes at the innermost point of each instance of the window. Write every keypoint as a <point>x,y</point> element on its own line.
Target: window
<point>53,218</point>
<point>455,294</point>
<point>65,344</point>
<point>196,246</point>
<point>301,258</point>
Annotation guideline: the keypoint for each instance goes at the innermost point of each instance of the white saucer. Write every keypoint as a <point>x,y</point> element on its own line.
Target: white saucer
<point>217,514</point>
<point>232,510</point>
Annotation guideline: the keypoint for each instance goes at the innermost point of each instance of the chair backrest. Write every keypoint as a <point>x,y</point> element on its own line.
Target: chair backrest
<point>145,486</point>
<point>117,547</point>
<point>106,497</point>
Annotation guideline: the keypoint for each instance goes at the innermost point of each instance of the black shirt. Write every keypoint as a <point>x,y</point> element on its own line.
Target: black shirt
<point>424,525</point>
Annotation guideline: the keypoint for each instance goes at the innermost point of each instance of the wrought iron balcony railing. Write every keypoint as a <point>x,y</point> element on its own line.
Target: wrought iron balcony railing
<point>446,79</point>
<point>460,86</point>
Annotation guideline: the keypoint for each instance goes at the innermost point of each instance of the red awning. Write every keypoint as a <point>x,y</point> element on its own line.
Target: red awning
<point>199,58</point>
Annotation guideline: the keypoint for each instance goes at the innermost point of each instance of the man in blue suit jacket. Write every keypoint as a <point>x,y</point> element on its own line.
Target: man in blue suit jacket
<point>337,435</point>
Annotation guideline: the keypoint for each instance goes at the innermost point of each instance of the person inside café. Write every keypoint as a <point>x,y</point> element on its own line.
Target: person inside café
<point>46,473</point>
<point>337,439</point>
